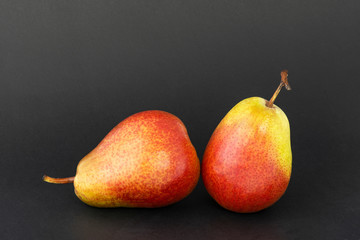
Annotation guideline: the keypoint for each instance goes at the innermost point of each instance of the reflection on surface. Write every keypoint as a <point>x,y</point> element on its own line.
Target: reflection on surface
<point>196,217</point>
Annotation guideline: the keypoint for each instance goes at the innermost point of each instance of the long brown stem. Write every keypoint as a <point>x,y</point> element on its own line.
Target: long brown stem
<point>284,82</point>
<point>58,180</point>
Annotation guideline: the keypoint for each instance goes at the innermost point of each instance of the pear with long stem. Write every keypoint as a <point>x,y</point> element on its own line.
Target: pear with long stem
<point>146,161</point>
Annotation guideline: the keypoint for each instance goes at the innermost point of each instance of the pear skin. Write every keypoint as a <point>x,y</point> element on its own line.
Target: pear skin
<point>247,163</point>
<point>146,161</point>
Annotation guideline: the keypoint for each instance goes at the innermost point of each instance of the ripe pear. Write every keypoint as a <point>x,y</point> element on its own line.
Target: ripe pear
<point>146,161</point>
<point>247,163</point>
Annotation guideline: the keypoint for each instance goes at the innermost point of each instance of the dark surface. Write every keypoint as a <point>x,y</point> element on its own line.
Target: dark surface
<point>71,70</point>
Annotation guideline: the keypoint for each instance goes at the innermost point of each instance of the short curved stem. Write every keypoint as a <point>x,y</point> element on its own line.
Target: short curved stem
<point>58,180</point>
<point>284,82</point>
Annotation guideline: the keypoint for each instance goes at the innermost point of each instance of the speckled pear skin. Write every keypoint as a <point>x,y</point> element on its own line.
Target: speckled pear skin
<point>247,163</point>
<point>146,161</point>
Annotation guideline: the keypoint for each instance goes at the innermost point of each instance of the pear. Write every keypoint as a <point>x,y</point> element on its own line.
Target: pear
<point>247,163</point>
<point>146,161</point>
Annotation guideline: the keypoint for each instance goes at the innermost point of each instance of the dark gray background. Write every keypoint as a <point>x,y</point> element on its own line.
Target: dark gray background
<point>70,70</point>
